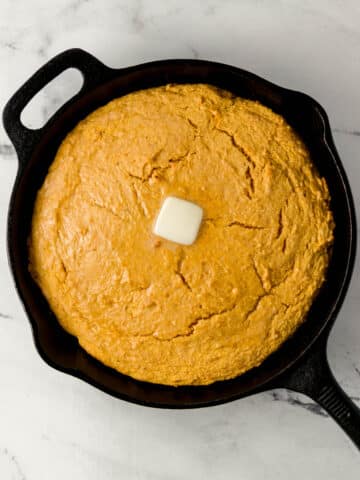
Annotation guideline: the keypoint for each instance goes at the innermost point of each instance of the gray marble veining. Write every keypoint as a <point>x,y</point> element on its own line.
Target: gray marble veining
<point>54,426</point>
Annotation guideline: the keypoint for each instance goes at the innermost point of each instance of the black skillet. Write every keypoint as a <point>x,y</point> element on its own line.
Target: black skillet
<point>301,363</point>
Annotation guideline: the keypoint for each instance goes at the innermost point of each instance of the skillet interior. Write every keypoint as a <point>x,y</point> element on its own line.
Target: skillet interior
<point>61,350</point>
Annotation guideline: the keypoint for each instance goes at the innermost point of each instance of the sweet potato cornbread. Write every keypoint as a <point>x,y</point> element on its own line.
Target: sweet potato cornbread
<point>169,313</point>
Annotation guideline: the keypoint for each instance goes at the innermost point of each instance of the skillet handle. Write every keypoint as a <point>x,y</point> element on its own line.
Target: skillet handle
<point>25,139</point>
<point>314,378</point>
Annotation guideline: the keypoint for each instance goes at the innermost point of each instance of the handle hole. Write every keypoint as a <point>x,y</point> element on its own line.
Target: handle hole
<point>46,102</point>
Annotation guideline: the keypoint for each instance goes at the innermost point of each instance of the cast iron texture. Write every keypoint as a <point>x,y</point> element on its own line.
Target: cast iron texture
<point>300,364</point>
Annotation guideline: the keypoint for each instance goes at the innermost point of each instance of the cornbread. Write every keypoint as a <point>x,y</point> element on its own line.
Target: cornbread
<point>157,310</point>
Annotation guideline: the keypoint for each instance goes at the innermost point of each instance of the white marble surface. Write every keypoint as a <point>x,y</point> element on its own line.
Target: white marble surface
<point>53,426</point>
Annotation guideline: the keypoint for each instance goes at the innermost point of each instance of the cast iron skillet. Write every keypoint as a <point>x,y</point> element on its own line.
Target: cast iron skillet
<point>301,363</point>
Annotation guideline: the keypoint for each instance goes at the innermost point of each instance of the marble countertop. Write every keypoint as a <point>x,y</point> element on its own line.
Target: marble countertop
<point>53,426</point>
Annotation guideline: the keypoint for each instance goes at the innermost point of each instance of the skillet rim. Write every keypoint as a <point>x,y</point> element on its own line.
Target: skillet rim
<point>77,369</point>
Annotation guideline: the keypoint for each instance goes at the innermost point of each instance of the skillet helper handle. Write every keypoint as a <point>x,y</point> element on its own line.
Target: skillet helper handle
<point>314,378</point>
<point>25,139</point>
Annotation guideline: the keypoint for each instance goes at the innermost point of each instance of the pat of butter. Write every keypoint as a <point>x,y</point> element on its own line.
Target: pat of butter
<point>178,221</point>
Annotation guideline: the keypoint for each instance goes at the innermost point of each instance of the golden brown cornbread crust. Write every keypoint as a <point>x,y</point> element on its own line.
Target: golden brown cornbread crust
<point>163,312</point>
